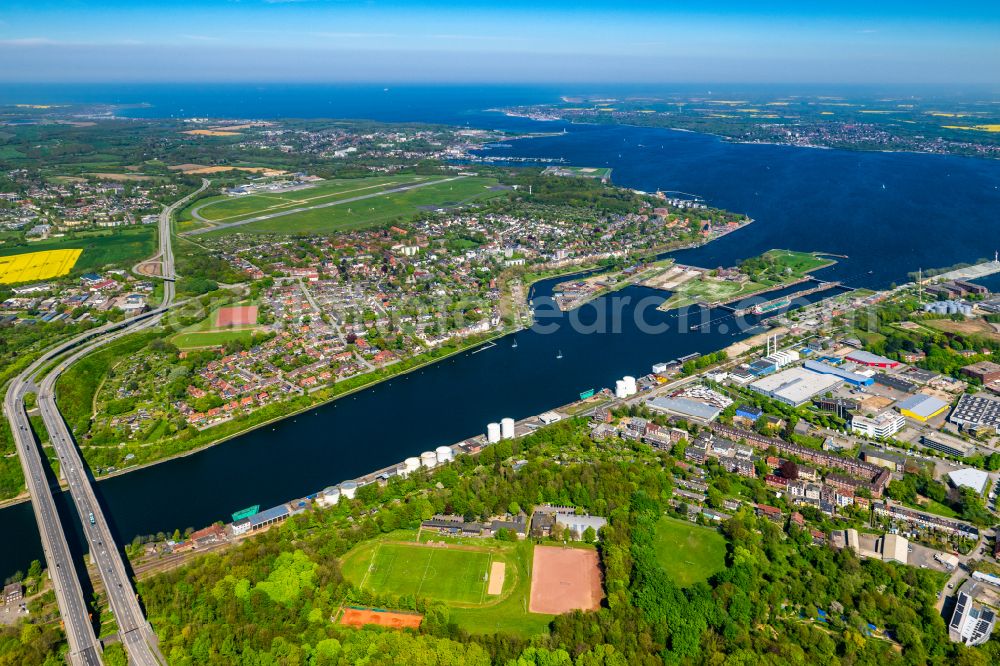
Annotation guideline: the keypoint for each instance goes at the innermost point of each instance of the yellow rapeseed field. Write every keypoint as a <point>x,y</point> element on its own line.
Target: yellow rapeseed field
<point>37,265</point>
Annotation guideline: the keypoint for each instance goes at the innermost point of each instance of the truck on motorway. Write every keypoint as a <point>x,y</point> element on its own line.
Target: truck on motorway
<point>92,521</point>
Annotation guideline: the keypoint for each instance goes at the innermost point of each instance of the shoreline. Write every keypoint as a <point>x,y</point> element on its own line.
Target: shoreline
<point>583,267</point>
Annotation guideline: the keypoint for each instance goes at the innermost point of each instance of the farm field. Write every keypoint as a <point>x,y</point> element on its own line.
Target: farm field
<point>121,247</point>
<point>689,553</point>
<point>32,266</point>
<point>484,614</point>
<point>230,209</point>
<point>390,207</point>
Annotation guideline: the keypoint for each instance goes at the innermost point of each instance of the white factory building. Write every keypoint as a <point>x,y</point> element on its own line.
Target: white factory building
<point>795,386</point>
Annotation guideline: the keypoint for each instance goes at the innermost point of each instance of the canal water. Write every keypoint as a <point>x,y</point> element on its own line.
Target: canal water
<point>932,211</point>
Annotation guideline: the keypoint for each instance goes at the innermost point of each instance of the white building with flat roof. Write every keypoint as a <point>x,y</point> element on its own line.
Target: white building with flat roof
<point>883,424</point>
<point>795,386</point>
<point>970,478</point>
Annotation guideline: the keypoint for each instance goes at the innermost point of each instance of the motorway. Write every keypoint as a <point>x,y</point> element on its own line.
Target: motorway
<point>136,634</point>
<point>302,209</point>
<point>83,646</point>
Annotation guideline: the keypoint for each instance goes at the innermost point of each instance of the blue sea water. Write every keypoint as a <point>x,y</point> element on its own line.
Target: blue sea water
<point>890,213</point>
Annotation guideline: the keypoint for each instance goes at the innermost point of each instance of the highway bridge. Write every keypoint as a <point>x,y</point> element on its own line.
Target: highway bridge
<point>136,634</point>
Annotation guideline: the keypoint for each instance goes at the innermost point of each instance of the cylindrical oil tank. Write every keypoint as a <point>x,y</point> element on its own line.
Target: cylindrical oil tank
<point>330,496</point>
<point>348,489</point>
<point>444,454</point>
<point>428,459</point>
<point>507,428</point>
<point>493,433</point>
<point>621,389</point>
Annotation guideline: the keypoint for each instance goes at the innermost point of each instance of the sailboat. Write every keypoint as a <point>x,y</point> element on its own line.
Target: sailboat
<point>559,355</point>
<point>514,346</point>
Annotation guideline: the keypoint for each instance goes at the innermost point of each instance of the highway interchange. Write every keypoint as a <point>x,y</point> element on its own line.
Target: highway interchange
<point>135,632</point>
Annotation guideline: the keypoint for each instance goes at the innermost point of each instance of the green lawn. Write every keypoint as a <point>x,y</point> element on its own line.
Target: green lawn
<point>199,339</point>
<point>229,209</point>
<point>390,207</point>
<point>453,576</point>
<point>445,574</point>
<point>800,263</point>
<point>120,247</point>
<point>690,553</point>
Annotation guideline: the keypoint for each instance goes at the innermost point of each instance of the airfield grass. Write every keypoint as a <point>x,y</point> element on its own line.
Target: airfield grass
<point>689,553</point>
<point>231,209</point>
<point>119,247</point>
<point>384,209</point>
<point>471,608</point>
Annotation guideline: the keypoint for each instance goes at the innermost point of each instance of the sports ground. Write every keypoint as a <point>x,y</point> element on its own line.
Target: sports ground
<point>42,265</point>
<point>452,573</point>
<point>238,322</point>
<point>689,553</point>
<point>565,579</point>
<point>490,586</point>
<point>354,616</point>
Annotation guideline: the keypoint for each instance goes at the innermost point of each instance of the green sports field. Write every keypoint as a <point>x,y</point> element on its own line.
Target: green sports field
<point>444,574</point>
<point>690,553</point>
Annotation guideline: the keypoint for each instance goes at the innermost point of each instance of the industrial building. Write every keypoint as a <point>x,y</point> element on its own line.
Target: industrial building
<point>852,378</point>
<point>795,386</point>
<point>976,479</point>
<point>946,444</point>
<point>920,407</point>
<point>883,424</point>
<point>685,408</point>
<point>871,360</point>
<point>984,372</point>
<point>977,411</point>
<point>971,623</point>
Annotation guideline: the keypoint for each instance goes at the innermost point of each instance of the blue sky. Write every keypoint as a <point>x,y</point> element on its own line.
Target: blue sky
<point>879,41</point>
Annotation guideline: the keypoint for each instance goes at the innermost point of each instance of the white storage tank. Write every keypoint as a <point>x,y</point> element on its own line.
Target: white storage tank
<point>493,433</point>
<point>630,385</point>
<point>621,389</point>
<point>428,459</point>
<point>348,489</point>
<point>329,496</point>
<point>444,454</point>
<point>410,465</point>
<point>507,428</point>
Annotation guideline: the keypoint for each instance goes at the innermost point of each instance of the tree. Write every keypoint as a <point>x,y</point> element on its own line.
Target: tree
<point>589,535</point>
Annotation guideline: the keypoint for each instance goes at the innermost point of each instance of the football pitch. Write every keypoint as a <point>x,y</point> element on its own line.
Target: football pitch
<point>446,574</point>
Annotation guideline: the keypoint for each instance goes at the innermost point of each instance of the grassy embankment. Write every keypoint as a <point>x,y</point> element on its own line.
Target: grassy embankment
<point>777,268</point>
